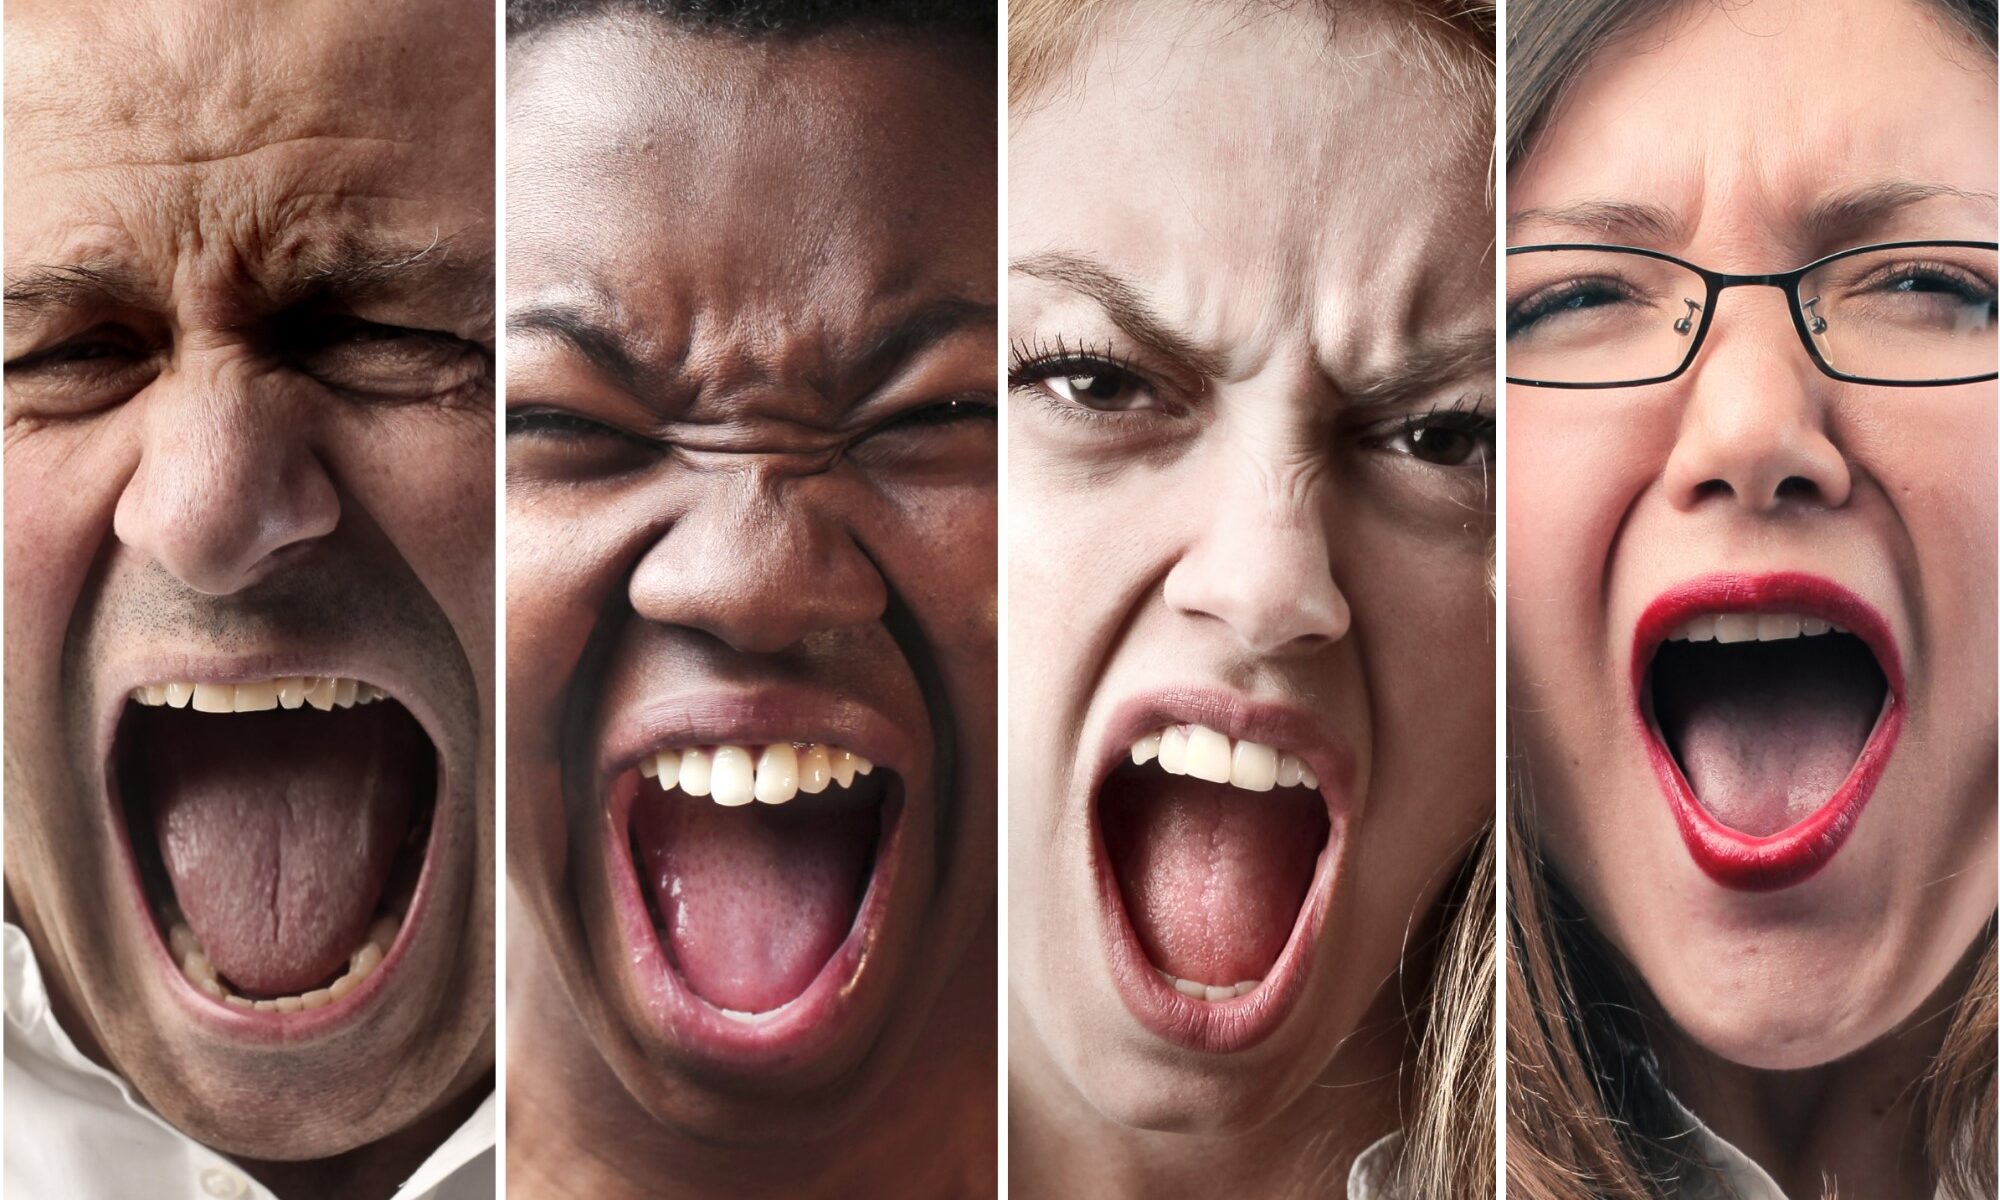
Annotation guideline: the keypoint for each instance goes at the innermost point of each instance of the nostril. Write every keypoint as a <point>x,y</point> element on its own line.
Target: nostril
<point>1798,487</point>
<point>1712,489</point>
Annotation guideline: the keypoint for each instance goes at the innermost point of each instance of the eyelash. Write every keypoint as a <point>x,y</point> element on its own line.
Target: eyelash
<point>1464,415</point>
<point>563,426</point>
<point>1030,363</point>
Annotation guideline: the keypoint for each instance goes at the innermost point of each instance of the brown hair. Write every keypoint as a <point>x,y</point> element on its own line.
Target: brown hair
<point>1586,1117</point>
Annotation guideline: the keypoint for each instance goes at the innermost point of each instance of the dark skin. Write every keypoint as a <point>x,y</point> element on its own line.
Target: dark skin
<point>249,418</point>
<point>752,353</point>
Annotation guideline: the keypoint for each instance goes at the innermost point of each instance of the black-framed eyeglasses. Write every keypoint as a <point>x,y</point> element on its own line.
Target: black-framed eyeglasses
<point>1896,314</point>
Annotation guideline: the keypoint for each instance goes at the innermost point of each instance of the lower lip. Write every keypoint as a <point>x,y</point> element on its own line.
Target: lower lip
<point>805,1025</point>
<point>1791,856</point>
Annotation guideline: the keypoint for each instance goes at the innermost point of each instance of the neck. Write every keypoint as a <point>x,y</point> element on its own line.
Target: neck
<point>1062,1145</point>
<point>574,1130</point>
<point>1856,1125</point>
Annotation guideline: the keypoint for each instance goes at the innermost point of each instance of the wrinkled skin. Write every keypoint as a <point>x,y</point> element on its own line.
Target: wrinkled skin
<point>1754,461</point>
<point>754,502</point>
<point>1249,515</point>
<point>249,434</point>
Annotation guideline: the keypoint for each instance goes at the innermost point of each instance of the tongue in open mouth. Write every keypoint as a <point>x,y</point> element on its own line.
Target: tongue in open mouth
<point>1766,728</point>
<point>755,861</point>
<point>281,841</point>
<point>1214,843</point>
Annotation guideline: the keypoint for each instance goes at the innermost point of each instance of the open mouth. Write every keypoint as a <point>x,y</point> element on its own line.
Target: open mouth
<point>1770,707</point>
<point>755,863</point>
<point>280,828</point>
<point>1216,863</point>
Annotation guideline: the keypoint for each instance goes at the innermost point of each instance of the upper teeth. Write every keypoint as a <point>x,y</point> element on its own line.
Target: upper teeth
<point>734,775</point>
<point>324,692</point>
<point>1751,627</point>
<point>1204,753</point>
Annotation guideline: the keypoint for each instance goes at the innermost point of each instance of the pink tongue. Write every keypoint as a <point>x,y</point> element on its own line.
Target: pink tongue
<point>278,830</point>
<point>756,899</point>
<point>1765,757</point>
<point>1213,876</point>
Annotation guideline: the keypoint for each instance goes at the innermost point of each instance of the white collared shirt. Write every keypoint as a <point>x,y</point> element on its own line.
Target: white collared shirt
<point>76,1131</point>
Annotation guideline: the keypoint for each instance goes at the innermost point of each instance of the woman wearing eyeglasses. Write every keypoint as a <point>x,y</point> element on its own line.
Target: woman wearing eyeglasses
<point>1750,331</point>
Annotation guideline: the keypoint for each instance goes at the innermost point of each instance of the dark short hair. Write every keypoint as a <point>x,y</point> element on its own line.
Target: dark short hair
<point>969,19</point>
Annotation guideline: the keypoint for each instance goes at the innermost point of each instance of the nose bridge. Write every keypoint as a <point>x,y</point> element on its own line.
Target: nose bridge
<point>1258,557</point>
<point>760,558</point>
<point>1756,427</point>
<point>227,476</point>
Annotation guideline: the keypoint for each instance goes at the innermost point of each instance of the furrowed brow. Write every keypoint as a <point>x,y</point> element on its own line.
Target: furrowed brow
<point>1621,222</point>
<point>584,333</point>
<point>1122,302</point>
<point>35,292</point>
<point>909,336</point>
<point>1429,364</point>
<point>1847,215</point>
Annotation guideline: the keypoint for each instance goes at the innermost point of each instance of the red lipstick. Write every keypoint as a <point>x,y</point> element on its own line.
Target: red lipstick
<point>1792,855</point>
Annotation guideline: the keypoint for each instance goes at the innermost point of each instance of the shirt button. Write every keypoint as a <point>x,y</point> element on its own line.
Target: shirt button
<point>223,1185</point>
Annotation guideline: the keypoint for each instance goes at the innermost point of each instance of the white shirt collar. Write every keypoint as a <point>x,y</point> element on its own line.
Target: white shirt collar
<point>1732,1174</point>
<point>63,1111</point>
<point>1373,1175</point>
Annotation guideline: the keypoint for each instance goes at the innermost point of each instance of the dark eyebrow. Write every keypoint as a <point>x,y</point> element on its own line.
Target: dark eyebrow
<point>1121,302</point>
<point>1620,221</point>
<point>587,334</point>
<point>37,290</point>
<point>1844,215</point>
<point>919,330</point>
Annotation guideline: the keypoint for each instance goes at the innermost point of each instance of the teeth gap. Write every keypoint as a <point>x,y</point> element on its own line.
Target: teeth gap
<point>323,692</point>
<point>365,960</point>
<point>734,774</point>
<point>1208,754</point>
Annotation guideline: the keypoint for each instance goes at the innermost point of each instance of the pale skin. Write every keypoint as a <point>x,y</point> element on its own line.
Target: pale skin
<point>221,444</point>
<point>739,508</point>
<point>1254,514</point>
<point>1794,1020</point>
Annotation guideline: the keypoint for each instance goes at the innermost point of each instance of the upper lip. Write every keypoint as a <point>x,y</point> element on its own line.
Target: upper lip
<point>1288,728</point>
<point>1224,1026</point>
<point>1731,857</point>
<point>754,717</point>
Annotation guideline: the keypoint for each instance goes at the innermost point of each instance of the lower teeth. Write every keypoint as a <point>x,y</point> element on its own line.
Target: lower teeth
<point>1210,992</point>
<point>194,964</point>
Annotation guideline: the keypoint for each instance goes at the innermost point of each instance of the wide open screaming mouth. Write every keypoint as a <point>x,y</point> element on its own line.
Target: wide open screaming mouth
<point>1766,714</point>
<point>280,828</point>
<point>754,861</point>
<point>1214,843</point>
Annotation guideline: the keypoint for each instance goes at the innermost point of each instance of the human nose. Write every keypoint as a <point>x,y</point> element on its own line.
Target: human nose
<point>1260,562</point>
<point>761,566</point>
<point>1755,432</point>
<point>227,482</point>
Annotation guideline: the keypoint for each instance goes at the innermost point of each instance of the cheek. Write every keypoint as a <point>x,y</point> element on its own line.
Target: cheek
<point>427,477</point>
<point>50,547</point>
